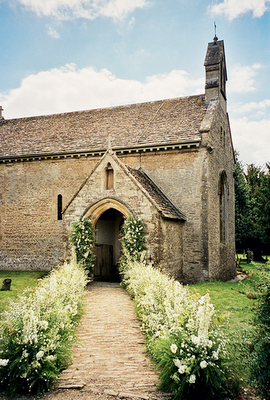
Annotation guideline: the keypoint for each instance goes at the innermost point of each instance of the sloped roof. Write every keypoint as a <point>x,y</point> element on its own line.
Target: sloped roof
<point>162,203</point>
<point>153,123</point>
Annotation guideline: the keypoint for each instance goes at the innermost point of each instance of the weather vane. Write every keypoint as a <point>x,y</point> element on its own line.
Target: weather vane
<point>215,38</point>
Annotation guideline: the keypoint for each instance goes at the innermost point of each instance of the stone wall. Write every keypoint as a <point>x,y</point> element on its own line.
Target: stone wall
<point>31,237</point>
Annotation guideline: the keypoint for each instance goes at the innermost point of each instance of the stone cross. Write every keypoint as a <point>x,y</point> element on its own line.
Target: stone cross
<point>110,140</point>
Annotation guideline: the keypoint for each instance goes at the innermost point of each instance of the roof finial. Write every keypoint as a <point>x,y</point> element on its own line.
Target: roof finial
<point>110,140</point>
<point>215,38</point>
<point>1,112</point>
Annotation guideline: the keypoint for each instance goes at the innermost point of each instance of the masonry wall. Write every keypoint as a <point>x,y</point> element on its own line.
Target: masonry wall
<point>129,197</point>
<point>31,237</point>
<point>182,176</point>
<point>220,160</point>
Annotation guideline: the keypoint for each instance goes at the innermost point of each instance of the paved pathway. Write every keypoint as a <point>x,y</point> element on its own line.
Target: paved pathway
<point>110,358</point>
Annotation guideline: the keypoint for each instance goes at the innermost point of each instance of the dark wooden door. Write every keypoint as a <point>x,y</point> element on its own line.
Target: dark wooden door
<point>103,269</point>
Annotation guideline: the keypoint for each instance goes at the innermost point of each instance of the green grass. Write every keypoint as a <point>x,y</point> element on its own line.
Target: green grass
<point>21,280</point>
<point>233,297</point>
<point>237,299</point>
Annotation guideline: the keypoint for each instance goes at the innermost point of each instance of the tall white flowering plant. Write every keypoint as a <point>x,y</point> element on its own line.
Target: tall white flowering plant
<point>82,237</point>
<point>184,334</point>
<point>38,330</point>
<point>133,241</point>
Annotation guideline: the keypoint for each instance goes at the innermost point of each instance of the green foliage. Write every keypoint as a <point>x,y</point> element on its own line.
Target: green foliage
<point>82,238</point>
<point>242,204</point>
<point>21,280</point>
<point>252,208</point>
<point>38,330</point>
<point>260,358</point>
<point>133,241</point>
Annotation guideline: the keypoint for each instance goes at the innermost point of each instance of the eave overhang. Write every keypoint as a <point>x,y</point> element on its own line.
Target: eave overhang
<point>195,144</point>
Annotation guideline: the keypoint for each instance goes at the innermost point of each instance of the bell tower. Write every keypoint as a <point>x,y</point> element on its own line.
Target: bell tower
<point>215,72</point>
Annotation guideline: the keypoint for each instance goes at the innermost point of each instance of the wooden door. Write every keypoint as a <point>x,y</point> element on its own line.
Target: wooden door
<point>103,269</point>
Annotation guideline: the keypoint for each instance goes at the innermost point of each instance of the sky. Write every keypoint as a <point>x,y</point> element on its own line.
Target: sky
<point>69,55</point>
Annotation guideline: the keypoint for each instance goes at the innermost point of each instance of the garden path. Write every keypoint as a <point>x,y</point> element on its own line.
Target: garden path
<point>110,359</point>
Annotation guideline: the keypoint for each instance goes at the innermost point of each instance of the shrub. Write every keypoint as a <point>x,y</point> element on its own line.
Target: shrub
<point>260,358</point>
<point>133,241</point>
<point>37,331</point>
<point>184,334</point>
<point>82,238</point>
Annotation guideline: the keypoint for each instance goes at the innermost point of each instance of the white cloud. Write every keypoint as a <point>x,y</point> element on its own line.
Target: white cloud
<point>68,89</point>
<point>252,140</point>
<point>52,32</point>
<point>252,106</point>
<point>242,78</point>
<point>234,8</point>
<point>89,9</point>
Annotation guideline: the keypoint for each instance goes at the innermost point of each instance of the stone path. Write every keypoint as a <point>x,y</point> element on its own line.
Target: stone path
<point>110,359</point>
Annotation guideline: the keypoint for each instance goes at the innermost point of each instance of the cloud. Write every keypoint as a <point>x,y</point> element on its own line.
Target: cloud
<point>68,89</point>
<point>234,8</point>
<point>251,139</point>
<point>52,32</point>
<point>88,9</point>
<point>242,78</point>
<point>252,106</point>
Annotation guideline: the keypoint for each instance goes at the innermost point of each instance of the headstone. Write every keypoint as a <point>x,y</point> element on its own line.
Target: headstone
<point>6,284</point>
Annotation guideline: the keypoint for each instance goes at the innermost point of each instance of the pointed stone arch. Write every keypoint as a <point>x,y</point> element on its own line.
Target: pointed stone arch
<point>97,209</point>
<point>107,216</point>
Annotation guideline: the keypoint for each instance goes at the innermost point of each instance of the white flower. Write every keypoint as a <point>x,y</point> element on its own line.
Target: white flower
<point>25,354</point>
<point>174,348</point>
<point>50,358</point>
<point>177,362</point>
<point>35,364</point>
<point>195,339</point>
<point>182,369</point>
<point>215,355</point>
<point>39,355</point>
<point>192,379</point>
<point>3,362</point>
<point>203,364</point>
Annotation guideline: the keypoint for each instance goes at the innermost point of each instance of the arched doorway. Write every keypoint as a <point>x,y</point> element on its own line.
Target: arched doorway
<point>107,247</point>
<point>107,216</point>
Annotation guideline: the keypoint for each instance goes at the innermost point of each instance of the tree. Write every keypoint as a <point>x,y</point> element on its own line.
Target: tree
<point>242,205</point>
<point>252,208</point>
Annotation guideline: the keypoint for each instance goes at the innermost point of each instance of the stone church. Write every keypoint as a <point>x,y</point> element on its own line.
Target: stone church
<point>168,162</point>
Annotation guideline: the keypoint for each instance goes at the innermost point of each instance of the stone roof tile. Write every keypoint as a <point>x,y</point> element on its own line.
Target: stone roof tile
<point>163,204</point>
<point>157,122</point>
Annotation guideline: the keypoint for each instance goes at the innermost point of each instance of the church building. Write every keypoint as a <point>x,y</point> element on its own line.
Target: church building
<point>169,163</point>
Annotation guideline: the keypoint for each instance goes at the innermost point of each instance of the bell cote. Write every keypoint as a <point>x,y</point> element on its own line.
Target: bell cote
<point>215,72</point>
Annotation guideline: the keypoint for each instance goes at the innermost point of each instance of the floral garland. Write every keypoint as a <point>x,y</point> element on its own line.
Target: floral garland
<point>82,238</point>
<point>133,241</point>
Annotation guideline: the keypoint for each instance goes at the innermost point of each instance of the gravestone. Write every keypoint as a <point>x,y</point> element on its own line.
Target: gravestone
<point>6,284</point>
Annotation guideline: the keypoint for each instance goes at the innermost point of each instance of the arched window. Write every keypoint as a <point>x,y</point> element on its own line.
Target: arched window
<point>223,196</point>
<point>59,207</point>
<point>109,177</point>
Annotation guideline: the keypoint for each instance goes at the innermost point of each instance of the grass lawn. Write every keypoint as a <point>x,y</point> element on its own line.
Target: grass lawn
<point>233,297</point>
<point>21,280</point>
